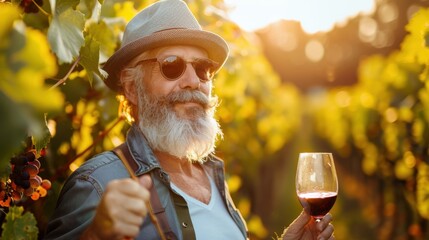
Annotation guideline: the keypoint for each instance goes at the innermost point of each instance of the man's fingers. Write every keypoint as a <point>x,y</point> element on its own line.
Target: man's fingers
<point>137,206</point>
<point>326,228</point>
<point>126,186</point>
<point>327,233</point>
<point>324,222</point>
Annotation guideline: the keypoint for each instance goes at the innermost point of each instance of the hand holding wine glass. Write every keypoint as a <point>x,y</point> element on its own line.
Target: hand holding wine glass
<point>316,183</point>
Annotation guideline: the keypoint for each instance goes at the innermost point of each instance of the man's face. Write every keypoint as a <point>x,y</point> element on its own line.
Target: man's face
<point>176,115</point>
<point>158,86</point>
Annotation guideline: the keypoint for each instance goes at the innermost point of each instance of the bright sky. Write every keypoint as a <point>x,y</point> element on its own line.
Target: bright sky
<point>314,15</point>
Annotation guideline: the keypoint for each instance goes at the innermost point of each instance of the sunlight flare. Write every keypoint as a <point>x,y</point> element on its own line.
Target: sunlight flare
<point>314,15</point>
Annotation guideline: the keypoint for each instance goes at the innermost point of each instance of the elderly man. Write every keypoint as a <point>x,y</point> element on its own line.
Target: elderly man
<point>164,69</point>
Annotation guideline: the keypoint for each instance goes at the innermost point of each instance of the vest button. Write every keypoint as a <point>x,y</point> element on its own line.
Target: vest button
<point>185,225</point>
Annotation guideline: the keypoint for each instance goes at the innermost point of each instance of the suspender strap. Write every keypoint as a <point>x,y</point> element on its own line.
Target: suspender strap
<point>184,217</point>
<point>124,149</point>
<point>157,207</point>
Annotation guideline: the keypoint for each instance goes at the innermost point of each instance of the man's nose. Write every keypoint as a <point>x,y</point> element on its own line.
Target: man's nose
<point>189,79</point>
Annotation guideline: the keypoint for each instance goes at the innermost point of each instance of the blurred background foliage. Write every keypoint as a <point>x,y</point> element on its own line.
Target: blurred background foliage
<point>377,126</point>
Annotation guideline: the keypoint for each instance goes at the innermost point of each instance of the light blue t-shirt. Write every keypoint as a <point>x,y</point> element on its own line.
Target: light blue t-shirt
<point>212,221</point>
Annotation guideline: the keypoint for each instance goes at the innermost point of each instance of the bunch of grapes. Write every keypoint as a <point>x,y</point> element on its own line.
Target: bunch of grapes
<point>23,179</point>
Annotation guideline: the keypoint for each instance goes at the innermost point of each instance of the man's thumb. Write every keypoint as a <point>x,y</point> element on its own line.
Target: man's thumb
<point>301,220</point>
<point>146,181</point>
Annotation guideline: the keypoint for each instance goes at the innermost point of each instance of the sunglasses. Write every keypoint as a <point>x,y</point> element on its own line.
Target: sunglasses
<point>173,67</point>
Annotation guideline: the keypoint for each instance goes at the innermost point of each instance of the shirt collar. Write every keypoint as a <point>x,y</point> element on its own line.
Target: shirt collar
<point>140,150</point>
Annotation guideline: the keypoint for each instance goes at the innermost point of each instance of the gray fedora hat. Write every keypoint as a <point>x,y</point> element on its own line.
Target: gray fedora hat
<point>167,22</point>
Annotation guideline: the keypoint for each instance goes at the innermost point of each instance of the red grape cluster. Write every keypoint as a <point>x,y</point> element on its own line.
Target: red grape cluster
<point>23,179</point>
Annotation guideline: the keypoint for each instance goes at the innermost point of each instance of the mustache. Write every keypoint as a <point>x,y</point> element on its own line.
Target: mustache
<point>188,96</point>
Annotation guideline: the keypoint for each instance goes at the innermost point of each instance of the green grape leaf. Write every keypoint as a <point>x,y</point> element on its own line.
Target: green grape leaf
<point>90,7</point>
<point>91,3</point>
<point>105,35</point>
<point>25,63</point>
<point>89,58</point>
<point>19,226</point>
<point>42,139</point>
<point>90,53</point>
<point>60,6</point>
<point>65,33</point>
<point>16,130</point>
<point>9,14</point>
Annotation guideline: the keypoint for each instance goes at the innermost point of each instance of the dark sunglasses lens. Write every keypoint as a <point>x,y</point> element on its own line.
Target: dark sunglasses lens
<point>204,68</point>
<point>173,67</point>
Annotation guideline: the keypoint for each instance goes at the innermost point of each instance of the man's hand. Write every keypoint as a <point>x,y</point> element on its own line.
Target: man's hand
<point>306,228</point>
<point>121,210</point>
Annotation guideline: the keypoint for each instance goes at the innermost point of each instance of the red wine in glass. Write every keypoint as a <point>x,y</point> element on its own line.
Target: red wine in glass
<point>316,183</point>
<point>318,204</point>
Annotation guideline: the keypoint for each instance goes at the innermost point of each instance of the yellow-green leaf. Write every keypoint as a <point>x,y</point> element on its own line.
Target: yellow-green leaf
<point>19,226</point>
<point>65,34</point>
<point>9,14</point>
<point>25,63</point>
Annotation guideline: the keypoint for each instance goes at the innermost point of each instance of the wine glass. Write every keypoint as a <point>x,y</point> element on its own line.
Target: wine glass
<point>316,183</point>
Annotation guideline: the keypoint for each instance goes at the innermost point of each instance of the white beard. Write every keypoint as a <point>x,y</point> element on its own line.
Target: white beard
<point>193,138</point>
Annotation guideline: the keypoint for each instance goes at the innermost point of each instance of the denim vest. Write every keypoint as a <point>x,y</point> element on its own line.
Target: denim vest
<point>82,191</point>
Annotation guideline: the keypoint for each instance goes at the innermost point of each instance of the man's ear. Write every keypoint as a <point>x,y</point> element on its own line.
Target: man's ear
<point>129,87</point>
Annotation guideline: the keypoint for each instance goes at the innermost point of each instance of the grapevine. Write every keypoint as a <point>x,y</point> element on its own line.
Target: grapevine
<point>385,123</point>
